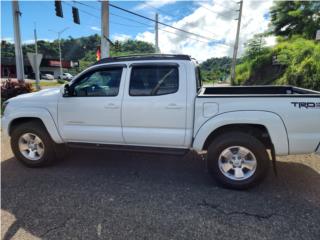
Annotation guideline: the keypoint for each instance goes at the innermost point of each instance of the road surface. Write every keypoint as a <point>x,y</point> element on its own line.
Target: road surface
<point>120,195</point>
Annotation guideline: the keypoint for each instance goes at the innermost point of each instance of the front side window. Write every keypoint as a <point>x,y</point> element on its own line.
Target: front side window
<point>153,80</point>
<point>101,82</point>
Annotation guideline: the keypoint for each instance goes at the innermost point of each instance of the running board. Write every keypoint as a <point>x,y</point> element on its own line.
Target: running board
<point>159,150</point>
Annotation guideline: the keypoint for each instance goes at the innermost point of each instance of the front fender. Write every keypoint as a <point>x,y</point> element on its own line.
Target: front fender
<point>30,112</point>
<point>273,123</point>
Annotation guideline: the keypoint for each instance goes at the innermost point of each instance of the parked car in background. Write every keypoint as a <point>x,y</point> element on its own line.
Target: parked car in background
<point>47,76</point>
<point>66,76</point>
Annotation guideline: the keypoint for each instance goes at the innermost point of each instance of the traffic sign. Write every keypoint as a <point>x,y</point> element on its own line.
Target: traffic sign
<point>34,60</point>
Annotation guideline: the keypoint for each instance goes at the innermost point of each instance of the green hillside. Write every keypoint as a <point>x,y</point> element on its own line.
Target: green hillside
<point>216,69</point>
<point>80,49</point>
<point>295,59</point>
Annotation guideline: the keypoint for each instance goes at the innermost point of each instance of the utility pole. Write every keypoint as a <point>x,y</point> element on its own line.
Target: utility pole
<point>36,59</point>
<point>59,42</point>
<point>156,28</point>
<point>105,48</point>
<point>17,40</point>
<point>235,50</point>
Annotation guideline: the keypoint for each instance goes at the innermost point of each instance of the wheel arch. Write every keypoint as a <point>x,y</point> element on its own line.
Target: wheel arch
<point>34,114</point>
<point>256,130</point>
<point>268,127</point>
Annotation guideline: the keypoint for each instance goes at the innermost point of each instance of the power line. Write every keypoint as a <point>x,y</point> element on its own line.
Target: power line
<point>164,24</point>
<point>161,29</point>
<point>113,14</point>
<point>160,10</point>
<point>145,24</point>
<point>150,19</point>
<point>131,19</point>
<point>84,11</point>
<point>170,15</point>
<point>90,14</point>
<point>210,10</point>
<point>87,5</point>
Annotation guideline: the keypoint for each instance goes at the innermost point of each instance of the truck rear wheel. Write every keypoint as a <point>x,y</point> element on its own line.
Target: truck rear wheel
<point>238,160</point>
<point>32,145</point>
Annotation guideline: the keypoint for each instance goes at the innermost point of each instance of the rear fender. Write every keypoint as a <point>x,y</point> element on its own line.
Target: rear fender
<point>271,121</point>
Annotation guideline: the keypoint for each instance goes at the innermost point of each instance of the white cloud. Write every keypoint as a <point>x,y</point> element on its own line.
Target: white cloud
<point>213,20</point>
<point>94,28</point>
<point>270,41</point>
<point>120,37</point>
<point>8,39</point>
<point>31,41</point>
<point>153,4</point>
<point>165,19</point>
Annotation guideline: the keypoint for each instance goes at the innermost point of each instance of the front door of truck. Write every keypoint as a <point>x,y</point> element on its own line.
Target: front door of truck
<point>92,112</point>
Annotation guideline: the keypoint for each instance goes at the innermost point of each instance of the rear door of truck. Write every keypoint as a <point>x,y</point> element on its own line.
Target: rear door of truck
<point>154,104</point>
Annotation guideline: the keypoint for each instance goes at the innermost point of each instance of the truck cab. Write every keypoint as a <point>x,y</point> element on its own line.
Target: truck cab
<point>142,103</point>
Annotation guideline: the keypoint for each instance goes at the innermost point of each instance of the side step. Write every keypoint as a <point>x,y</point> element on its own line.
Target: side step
<point>159,150</point>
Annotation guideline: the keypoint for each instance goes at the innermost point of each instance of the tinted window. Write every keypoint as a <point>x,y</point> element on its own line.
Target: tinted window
<point>153,80</point>
<point>198,78</point>
<point>101,82</point>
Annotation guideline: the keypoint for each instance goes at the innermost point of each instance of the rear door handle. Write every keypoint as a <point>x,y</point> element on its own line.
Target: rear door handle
<point>111,106</point>
<point>173,106</point>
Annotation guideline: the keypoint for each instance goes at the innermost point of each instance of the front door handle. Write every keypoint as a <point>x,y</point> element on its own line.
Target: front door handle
<point>173,106</point>
<point>111,106</point>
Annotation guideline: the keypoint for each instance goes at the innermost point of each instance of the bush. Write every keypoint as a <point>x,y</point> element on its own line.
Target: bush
<point>298,64</point>
<point>11,88</point>
<point>303,69</point>
<point>242,73</point>
<point>61,81</point>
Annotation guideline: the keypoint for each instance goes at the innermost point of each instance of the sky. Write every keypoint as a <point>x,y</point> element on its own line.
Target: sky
<point>214,20</point>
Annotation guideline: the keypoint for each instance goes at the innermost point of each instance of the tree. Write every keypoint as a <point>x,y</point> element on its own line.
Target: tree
<point>255,46</point>
<point>290,18</point>
<point>81,49</point>
<point>215,69</point>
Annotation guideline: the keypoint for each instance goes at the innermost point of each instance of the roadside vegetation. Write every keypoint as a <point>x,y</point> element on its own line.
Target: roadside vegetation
<point>82,49</point>
<point>215,69</point>
<point>295,59</point>
<point>52,83</point>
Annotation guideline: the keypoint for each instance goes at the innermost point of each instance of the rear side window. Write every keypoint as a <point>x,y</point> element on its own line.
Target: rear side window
<point>153,80</point>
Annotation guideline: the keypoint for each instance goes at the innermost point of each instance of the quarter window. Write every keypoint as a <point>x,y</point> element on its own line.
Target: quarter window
<point>101,82</point>
<point>153,80</point>
<point>198,78</point>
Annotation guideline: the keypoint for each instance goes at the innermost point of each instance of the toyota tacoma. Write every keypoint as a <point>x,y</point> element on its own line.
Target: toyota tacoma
<point>157,103</point>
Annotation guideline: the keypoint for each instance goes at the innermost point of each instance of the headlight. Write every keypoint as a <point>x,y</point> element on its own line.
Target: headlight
<point>4,105</point>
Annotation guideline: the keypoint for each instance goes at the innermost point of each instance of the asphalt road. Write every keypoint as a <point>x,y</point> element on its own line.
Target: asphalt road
<point>120,195</point>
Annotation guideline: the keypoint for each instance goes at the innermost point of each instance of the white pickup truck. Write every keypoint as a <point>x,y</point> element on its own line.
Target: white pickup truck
<point>157,103</point>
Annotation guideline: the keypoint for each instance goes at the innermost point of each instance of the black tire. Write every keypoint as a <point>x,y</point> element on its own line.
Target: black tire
<point>227,140</point>
<point>37,128</point>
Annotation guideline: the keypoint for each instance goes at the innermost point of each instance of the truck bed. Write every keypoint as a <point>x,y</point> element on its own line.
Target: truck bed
<point>288,91</point>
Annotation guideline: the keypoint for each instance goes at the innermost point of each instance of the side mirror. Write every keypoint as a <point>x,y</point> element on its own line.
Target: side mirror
<point>66,91</point>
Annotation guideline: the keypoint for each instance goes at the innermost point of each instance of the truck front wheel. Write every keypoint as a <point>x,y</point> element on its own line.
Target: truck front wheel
<point>32,145</point>
<point>237,160</point>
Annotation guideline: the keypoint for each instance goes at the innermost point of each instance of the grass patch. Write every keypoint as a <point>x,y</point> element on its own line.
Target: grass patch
<point>52,83</point>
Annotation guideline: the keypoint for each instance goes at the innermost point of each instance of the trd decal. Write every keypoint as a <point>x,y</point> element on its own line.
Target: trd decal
<point>307,105</point>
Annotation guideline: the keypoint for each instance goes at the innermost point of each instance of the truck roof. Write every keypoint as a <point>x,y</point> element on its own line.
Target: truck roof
<point>144,57</point>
